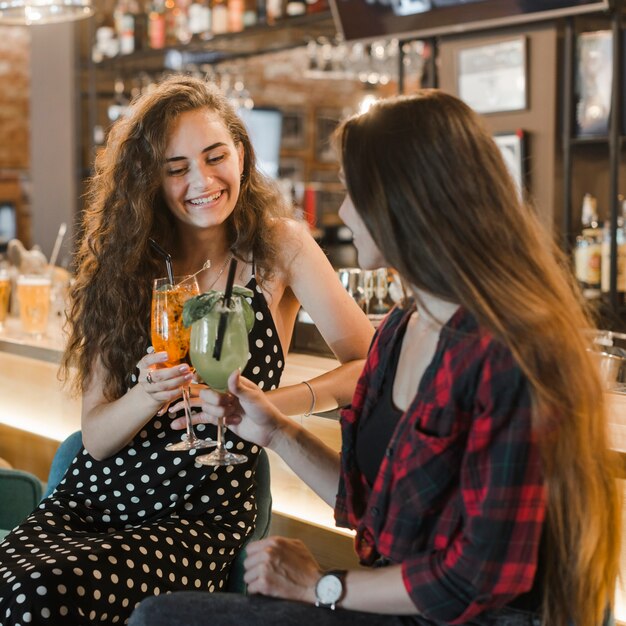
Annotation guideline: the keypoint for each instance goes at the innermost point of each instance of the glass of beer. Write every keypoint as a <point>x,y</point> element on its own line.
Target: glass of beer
<point>170,335</point>
<point>215,372</point>
<point>5,292</point>
<point>33,294</point>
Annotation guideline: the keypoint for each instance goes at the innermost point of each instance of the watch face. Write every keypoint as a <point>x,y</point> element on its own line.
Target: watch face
<point>329,589</point>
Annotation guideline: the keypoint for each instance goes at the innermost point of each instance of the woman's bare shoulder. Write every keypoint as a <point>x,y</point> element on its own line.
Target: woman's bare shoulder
<point>290,229</point>
<point>294,239</point>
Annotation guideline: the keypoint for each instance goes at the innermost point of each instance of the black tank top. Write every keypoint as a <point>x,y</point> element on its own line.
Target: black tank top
<point>374,434</point>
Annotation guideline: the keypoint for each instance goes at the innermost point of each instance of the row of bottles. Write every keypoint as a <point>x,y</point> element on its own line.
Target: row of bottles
<point>154,24</point>
<point>593,249</point>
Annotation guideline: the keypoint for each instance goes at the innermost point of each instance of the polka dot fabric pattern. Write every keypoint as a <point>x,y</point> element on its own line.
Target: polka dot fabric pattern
<point>142,522</point>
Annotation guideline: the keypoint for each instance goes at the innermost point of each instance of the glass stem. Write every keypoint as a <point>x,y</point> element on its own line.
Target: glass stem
<point>220,433</point>
<point>190,434</point>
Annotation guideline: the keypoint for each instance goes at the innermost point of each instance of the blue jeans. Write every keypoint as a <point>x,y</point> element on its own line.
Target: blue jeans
<point>193,608</point>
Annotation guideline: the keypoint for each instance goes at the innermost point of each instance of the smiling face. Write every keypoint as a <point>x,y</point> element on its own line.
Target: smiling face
<point>202,169</point>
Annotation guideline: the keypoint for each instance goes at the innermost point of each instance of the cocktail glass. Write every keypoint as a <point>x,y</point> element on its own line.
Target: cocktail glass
<point>215,372</point>
<point>367,285</point>
<point>170,335</point>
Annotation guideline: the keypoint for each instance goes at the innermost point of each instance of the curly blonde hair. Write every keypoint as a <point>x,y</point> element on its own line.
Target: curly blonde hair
<point>109,312</point>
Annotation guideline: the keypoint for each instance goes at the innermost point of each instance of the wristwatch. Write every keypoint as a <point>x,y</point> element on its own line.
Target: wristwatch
<point>330,589</point>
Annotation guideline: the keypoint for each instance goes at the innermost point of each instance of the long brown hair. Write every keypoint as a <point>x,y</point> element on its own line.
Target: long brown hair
<point>110,299</point>
<point>435,195</point>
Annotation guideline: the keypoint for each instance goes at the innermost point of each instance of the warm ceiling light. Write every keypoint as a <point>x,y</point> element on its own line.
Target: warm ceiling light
<point>27,12</point>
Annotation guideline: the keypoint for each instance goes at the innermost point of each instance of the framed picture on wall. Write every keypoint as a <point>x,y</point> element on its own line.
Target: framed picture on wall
<point>326,121</point>
<point>294,130</point>
<point>492,78</point>
<point>512,148</point>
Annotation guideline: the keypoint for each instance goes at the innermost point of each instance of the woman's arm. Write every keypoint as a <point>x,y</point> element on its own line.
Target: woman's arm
<point>341,322</point>
<point>106,425</point>
<point>285,568</point>
<point>250,415</point>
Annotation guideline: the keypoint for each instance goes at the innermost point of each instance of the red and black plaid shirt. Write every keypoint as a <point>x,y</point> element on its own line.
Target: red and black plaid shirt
<point>460,498</point>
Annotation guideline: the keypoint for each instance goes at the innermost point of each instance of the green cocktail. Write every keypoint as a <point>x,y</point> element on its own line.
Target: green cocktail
<point>235,349</point>
<point>204,313</point>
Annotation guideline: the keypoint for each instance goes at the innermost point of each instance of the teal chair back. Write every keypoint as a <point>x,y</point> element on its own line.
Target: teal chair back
<point>63,457</point>
<point>20,493</point>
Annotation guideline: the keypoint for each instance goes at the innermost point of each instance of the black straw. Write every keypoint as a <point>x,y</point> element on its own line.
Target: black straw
<point>221,326</point>
<point>168,259</point>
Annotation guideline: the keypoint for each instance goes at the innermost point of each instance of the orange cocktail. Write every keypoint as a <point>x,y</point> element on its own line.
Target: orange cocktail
<point>168,331</point>
<point>170,335</point>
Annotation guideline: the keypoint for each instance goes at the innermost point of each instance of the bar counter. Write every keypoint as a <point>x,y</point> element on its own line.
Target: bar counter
<point>36,414</point>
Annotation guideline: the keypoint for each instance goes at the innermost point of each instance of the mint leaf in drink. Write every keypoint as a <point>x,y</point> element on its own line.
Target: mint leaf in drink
<point>198,306</point>
<point>244,292</point>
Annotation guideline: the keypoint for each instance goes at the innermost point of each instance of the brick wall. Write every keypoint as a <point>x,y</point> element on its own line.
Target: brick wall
<point>14,97</point>
<point>15,123</point>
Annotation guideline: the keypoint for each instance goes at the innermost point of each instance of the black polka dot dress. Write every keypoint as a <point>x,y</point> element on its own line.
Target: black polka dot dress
<point>142,522</point>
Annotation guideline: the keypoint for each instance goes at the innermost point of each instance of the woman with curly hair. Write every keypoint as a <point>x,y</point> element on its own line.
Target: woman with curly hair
<point>131,519</point>
<point>474,466</point>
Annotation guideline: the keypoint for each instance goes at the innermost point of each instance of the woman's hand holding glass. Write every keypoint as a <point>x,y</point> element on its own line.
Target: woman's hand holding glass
<point>246,410</point>
<point>160,382</point>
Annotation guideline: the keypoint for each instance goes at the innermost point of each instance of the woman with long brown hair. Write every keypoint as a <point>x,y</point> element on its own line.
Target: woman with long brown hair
<point>474,465</point>
<point>131,519</point>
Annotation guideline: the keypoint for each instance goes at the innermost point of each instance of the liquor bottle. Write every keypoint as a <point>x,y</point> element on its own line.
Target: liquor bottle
<point>156,24</point>
<point>261,12</point>
<point>620,237</point>
<point>235,15</point>
<point>588,250</point>
<point>219,17</point>
<point>274,11</point>
<point>200,19</point>
<point>124,26</point>
<point>171,12</point>
<point>140,17</point>
<point>181,21</point>
<point>295,7</point>
<point>106,44</point>
<point>250,13</point>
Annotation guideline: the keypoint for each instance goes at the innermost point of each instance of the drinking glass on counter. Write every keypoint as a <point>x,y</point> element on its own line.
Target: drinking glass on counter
<point>5,292</point>
<point>381,289</point>
<point>350,278</point>
<point>33,294</point>
<point>364,286</point>
<point>367,287</point>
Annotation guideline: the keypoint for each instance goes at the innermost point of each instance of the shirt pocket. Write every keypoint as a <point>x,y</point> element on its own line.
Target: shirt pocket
<point>424,487</point>
<point>438,422</point>
<point>427,470</point>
